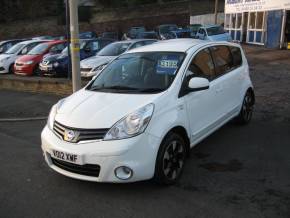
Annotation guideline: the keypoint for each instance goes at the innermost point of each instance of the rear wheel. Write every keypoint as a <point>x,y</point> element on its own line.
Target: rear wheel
<point>170,159</point>
<point>247,109</point>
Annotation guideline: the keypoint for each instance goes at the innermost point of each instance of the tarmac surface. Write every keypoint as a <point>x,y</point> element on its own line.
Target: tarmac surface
<point>239,171</point>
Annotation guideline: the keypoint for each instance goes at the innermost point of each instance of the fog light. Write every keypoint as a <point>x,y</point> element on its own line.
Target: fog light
<point>123,173</point>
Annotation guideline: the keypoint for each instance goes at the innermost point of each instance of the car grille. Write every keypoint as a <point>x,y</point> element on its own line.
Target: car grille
<point>19,64</point>
<point>80,135</point>
<point>87,169</point>
<point>86,69</point>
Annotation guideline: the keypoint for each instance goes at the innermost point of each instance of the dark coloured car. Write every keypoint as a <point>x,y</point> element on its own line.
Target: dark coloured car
<point>134,31</point>
<point>165,29</point>
<point>5,45</point>
<point>147,35</point>
<point>88,35</point>
<point>194,29</point>
<point>110,35</point>
<point>57,65</point>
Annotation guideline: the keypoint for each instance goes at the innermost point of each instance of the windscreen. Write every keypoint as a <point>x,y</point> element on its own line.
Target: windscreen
<point>215,30</point>
<point>114,49</point>
<point>149,72</point>
<point>16,48</point>
<point>39,49</point>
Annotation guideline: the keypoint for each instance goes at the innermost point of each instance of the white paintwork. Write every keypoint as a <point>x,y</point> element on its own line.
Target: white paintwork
<point>197,83</point>
<point>199,113</point>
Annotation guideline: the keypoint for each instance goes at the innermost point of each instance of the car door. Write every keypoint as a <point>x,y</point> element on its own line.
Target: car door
<point>227,76</point>
<point>203,107</point>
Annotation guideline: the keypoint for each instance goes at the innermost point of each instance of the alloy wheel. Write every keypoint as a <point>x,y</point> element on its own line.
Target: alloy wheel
<point>173,160</point>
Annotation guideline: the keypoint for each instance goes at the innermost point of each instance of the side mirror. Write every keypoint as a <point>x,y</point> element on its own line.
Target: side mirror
<point>197,84</point>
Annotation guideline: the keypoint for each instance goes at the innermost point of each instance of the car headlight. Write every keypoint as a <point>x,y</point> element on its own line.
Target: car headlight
<point>53,113</point>
<point>56,64</point>
<point>28,62</point>
<point>99,68</point>
<point>131,125</point>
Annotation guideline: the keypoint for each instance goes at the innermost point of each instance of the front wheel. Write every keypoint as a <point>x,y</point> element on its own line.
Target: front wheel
<point>170,159</point>
<point>247,109</point>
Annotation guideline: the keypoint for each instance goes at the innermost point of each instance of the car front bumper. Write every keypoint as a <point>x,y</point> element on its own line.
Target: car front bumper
<point>138,153</point>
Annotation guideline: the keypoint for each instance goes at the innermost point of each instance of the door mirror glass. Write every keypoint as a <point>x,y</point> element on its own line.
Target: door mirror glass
<point>198,84</point>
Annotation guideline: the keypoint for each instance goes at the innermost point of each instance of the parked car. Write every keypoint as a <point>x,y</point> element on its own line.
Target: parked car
<point>193,29</point>
<point>29,64</point>
<point>93,65</point>
<point>8,58</point>
<point>147,35</point>
<point>134,31</point>
<point>110,35</point>
<point>5,45</point>
<point>165,29</point>
<point>57,65</point>
<point>88,35</point>
<point>140,116</point>
<point>181,33</point>
<point>213,33</point>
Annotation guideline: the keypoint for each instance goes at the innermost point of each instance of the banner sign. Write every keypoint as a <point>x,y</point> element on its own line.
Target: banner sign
<point>239,6</point>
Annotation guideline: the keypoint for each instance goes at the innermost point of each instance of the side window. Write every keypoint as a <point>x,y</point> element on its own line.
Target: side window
<point>202,66</point>
<point>202,31</point>
<point>95,46</point>
<point>57,48</point>
<point>222,58</point>
<point>27,48</point>
<point>237,56</point>
<point>24,50</point>
<point>137,45</point>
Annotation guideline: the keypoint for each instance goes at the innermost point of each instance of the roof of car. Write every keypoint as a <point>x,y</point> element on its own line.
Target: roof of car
<point>175,45</point>
<point>134,40</point>
<point>32,41</point>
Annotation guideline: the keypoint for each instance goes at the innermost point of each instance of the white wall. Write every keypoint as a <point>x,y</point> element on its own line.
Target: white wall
<point>207,19</point>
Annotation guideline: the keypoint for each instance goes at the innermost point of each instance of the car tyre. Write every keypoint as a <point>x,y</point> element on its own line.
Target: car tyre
<point>170,159</point>
<point>11,69</point>
<point>246,113</point>
<point>36,71</point>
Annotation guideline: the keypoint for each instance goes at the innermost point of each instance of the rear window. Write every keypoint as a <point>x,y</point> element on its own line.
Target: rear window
<point>237,56</point>
<point>222,58</point>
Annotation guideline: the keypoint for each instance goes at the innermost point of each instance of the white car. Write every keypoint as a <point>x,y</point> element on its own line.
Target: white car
<point>140,116</point>
<point>213,33</point>
<point>94,65</point>
<point>8,58</point>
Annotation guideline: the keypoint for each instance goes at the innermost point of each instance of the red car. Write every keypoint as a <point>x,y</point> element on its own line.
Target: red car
<point>28,64</point>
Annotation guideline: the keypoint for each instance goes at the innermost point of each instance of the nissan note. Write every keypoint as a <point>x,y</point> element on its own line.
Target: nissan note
<point>141,115</point>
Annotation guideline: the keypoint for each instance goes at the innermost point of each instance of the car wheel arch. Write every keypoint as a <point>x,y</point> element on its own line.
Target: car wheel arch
<point>180,130</point>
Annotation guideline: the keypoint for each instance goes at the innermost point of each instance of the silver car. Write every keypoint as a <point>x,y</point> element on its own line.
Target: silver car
<point>94,65</point>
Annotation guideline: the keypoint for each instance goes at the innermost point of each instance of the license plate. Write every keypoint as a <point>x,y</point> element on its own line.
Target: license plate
<point>18,68</point>
<point>72,158</point>
<point>43,68</point>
